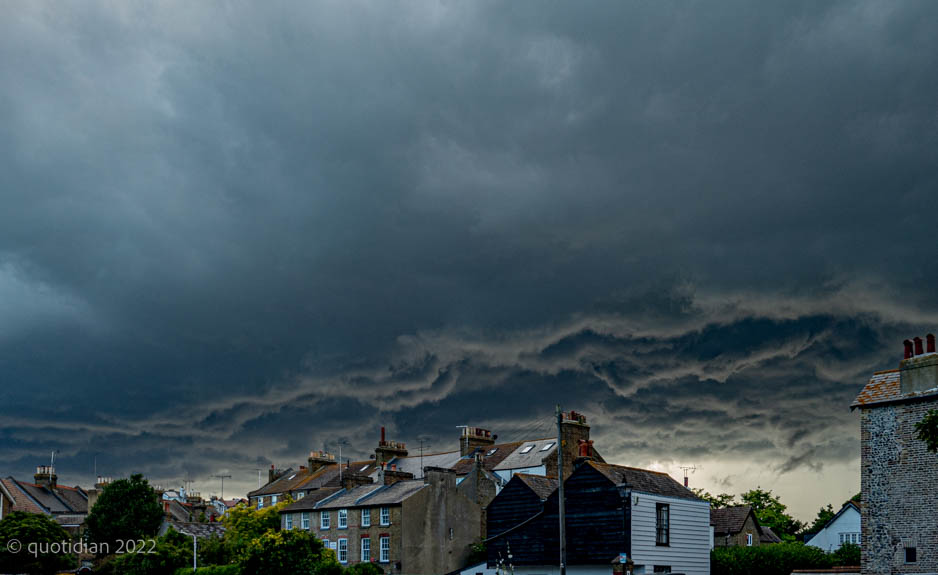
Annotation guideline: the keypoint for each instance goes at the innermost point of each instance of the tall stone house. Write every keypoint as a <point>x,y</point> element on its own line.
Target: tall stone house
<point>406,526</point>
<point>898,475</point>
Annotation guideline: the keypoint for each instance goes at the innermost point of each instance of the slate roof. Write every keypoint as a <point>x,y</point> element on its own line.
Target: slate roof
<point>729,520</point>
<point>69,520</point>
<point>541,486</point>
<point>199,530</point>
<point>308,502</point>
<point>489,462</point>
<point>326,476</point>
<point>768,536</point>
<point>394,494</point>
<point>644,480</point>
<point>21,501</point>
<point>533,458</point>
<point>348,497</point>
<point>411,463</point>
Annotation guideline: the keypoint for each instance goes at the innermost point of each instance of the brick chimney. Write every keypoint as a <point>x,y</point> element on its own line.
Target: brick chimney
<point>473,438</point>
<point>388,450</point>
<point>389,475</point>
<point>573,431</point>
<point>919,372</point>
<point>319,459</point>
<point>439,477</point>
<point>274,473</point>
<point>353,480</point>
<point>45,476</point>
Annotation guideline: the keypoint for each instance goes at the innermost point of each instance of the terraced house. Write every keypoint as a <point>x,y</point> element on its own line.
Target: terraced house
<point>408,526</point>
<point>68,506</point>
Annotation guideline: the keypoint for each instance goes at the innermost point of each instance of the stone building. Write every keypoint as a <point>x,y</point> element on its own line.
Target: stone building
<point>404,525</point>
<point>898,475</point>
<point>736,526</point>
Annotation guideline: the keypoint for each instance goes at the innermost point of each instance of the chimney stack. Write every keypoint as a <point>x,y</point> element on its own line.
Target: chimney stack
<point>473,438</point>
<point>930,343</point>
<point>319,459</point>
<point>908,349</point>
<point>388,450</point>
<point>45,476</point>
<point>918,371</point>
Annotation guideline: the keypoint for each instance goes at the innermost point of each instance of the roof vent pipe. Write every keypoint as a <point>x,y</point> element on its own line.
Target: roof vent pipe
<point>930,343</point>
<point>908,349</point>
<point>918,346</point>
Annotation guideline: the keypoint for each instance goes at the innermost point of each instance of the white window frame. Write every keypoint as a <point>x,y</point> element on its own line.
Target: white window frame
<point>366,517</point>
<point>385,519</point>
<point>748,539</point>
<point>342,550</point>
<point>366,550</point>
<point>304,520</point>
<point>384,546</point>
<point>288,522</point>
<point>343,519</point>
<point>324,520</point>
<point>273,499</point>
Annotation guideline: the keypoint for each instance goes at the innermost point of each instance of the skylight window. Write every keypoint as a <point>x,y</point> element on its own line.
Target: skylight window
<point>291,477</point>
<point>363,468</point>
<point>528,448</point>
<point>491,452</point>
<point>548,446</point>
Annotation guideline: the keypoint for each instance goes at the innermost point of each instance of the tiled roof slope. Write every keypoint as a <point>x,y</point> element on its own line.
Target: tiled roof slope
<point>489,462</point>
<point>326,476</point>
<point>541,486</point>
<point>729,519</point>
<point>309,502</point>
<point>21,501</point>
<point>769,536</point>
<point>883,386</point>
<point>199,530</point>
<point>644,480</point>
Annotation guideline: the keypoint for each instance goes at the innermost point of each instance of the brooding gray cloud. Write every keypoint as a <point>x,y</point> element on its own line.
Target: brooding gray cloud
<point>232,233</point>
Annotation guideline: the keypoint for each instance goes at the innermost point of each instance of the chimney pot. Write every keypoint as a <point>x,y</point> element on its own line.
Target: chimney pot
<point>930,343</point>
<point>382,434</point>
<point>908,349</point>
<point>918,346</point>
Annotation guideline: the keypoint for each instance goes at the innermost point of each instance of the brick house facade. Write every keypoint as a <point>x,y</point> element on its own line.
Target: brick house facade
<point>898,475</point>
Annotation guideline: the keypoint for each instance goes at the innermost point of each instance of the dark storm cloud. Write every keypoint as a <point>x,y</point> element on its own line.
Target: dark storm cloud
<point>229,233</point>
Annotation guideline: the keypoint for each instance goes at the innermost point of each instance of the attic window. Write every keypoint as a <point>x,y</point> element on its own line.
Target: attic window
<point>528,448</point>
<point>491,452</point>
<point>548,446</point>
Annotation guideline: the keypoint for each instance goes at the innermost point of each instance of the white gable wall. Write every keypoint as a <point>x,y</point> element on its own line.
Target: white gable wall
<point>828,538</point>
<point>689,549</point>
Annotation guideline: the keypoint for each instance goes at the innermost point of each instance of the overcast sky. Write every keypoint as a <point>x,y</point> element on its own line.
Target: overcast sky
<point>234,232</point>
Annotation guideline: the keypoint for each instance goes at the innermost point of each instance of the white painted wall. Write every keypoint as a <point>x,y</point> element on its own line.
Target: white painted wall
<point>828,538</point>
<point>689,549</point>
<point>507,473</point>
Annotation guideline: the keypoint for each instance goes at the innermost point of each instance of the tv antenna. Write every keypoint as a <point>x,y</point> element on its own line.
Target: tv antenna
<point>422,448</point>
<point>223,478</point>
<point>685,469</point>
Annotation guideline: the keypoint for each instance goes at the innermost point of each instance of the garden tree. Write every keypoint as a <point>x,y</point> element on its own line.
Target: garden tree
<point>288,552</point>
<point>846,554</point>
<point>856,498</point>
<point>716,501</point>
<point>126,509</point>
<point>243,524</point>
<point>824,515</point>
<point>172,551</point>
<point>927,430</point>
<point>770,511</point>
<point>29,528</point>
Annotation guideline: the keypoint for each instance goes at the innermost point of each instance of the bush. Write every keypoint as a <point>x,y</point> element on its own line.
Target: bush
<point>778,559</point>
<point>287,552</point>
<point>848,554</point>
<point>32,528</point>
<point>172,551</point>
<point>364,569</point>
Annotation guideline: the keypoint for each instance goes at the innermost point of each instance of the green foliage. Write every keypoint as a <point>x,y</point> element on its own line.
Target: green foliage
<point>287,552</point>
<point>824,515</point>
<point>778,559</point>
<point>243,524</point>
<point>214,551</point>
<point>771,511</point>
<point>927,430</point>
<point>30,528</point>
<point>211,570</point>
<point>364,569</point>
<point>173,550</point>
<point>477,553</point>
<point>716,501</point>
<point>126,509</point>
<point>848,554</point>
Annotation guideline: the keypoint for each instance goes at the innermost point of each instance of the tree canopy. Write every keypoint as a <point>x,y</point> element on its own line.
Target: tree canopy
<point>126,509</point>
<point>770,511</point>
<point>927,430</point>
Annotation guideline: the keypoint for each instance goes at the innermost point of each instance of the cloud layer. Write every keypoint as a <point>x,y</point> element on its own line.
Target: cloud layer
<point>230,234</point>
